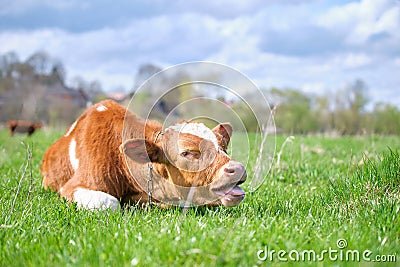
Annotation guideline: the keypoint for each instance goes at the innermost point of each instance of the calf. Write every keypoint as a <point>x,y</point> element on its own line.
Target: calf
<point>20,126</point>
<point>110,156</point>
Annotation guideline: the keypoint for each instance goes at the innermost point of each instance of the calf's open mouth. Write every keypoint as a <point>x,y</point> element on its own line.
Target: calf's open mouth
<point>230,196</point>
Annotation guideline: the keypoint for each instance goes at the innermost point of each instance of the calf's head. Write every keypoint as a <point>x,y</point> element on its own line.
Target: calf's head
<point>192,155</point>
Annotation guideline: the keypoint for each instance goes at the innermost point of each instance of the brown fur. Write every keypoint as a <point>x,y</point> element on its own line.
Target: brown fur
<point>19,126</point>
<point>102,165</point>
<point>98,137</point>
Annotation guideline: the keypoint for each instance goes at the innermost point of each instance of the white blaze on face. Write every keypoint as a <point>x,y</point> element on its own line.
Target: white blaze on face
<point>198,129</point>
<point>72,155</point>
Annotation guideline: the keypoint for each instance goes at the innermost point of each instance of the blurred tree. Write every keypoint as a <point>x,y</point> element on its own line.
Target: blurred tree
<point>40,62</point>
<point>294,113</point>
<point>7,62</point>
<point>247,115</point>
<point>36,89</point>
<point>58,73</point>
<point>145,71</point>
<point>350,105</point>
<point>323,113</point>
<point>386,119</point>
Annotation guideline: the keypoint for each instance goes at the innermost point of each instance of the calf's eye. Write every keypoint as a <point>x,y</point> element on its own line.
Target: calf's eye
<point>190,154</point>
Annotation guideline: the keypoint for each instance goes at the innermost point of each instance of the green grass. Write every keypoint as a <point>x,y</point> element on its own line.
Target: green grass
<point>324,189</point>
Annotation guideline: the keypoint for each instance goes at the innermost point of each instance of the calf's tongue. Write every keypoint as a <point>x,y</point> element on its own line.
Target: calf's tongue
<point>236,191</point>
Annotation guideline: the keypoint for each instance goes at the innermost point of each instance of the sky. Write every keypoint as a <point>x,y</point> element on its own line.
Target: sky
<point>316,46</point>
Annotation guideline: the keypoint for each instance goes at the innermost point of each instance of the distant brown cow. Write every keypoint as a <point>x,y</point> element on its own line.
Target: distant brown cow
<point>92,165</point>
<point>19,126</point>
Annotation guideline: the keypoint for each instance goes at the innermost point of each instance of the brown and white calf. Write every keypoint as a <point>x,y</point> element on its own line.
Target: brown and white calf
<point>103,159</point>
<point>19,126</point>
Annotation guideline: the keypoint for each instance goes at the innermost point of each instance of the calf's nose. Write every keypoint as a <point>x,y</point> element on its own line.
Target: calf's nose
<point>237,170</point>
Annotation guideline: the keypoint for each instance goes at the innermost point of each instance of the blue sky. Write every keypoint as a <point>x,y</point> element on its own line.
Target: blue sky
<point>313,45</point>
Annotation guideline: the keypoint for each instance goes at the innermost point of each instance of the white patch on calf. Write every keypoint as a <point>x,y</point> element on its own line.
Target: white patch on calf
<point>101,108</point>
<point>198,129</point>
<point>71,128</point>
<point>91,199</point>
<point>72,155</point>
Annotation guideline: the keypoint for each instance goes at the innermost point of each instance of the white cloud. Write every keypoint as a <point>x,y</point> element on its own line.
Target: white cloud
<point>397,61</point>
<point>108,51</point>
<point>273,43</point>
<point>357,22</point>
<point>352,60</point>
<point>314,87</point>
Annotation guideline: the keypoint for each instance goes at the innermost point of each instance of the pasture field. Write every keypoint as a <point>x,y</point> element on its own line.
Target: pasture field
<point>329,201</point>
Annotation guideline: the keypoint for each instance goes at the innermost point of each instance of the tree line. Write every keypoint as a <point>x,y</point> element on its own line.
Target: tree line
<point>346,111</point>
<point>35,89</point>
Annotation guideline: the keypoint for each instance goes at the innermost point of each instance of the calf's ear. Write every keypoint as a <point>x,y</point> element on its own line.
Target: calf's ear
<point>225,130</point>
<point>143,151</point>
